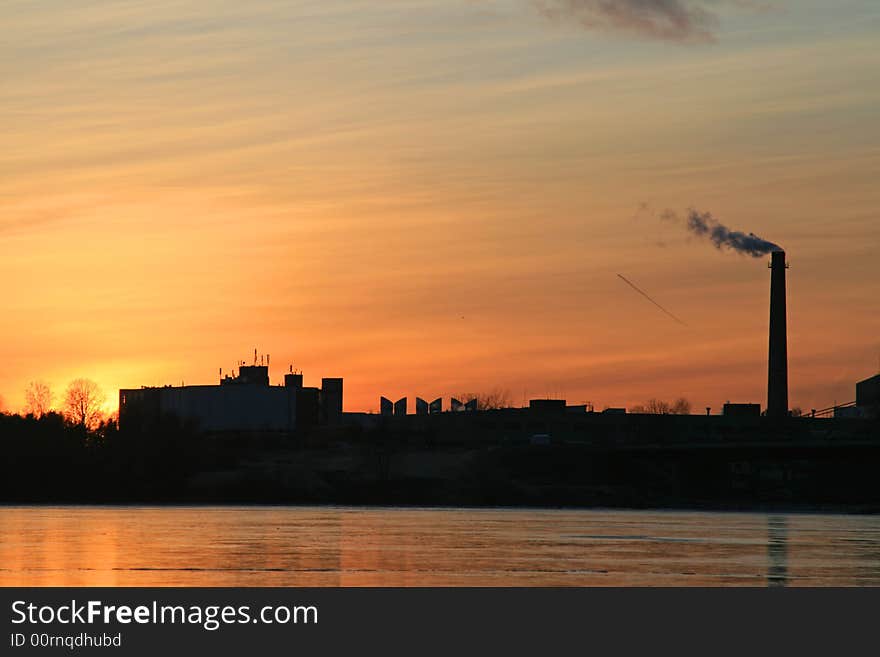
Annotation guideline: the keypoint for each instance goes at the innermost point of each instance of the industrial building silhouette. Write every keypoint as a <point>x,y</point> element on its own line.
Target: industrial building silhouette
<point>245,402</point>
<point>777,359</point>
<point>241,402</point>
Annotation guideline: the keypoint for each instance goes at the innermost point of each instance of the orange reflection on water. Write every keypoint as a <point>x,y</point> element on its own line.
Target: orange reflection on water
<point>327,546</point>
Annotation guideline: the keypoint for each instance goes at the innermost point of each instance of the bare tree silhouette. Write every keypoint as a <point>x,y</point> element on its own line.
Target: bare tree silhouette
<point>680,406</point>
<point>487,401</point>
<point>82,403</point>
<point>37,399</point>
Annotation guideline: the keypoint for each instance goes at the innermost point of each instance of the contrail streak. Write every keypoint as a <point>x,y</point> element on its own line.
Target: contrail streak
<point>636,288</point>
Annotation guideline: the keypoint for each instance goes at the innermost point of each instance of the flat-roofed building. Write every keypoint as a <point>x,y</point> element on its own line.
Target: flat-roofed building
<point>868,396</point>
<point>244,403</point>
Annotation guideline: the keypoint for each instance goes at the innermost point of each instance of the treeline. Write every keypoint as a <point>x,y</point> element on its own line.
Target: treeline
<point>52,459</point>
<point>680,406</point>
<point>81,404</point>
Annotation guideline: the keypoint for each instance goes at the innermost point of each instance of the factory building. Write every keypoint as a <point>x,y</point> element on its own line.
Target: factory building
<point>242,403</point>
<point>331,400</point>
<point>547,405</point>
<point>400,407</point>
<point>868,396</point>
<point>421,406</point>
<point>741,410</point>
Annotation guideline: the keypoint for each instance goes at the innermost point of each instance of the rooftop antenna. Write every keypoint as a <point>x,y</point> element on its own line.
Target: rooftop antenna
<point>255,355</point>
<point>267,360</point>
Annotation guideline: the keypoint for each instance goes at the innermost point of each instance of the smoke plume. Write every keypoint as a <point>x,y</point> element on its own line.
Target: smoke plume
<point>705,225</point>
<point>669,20</point>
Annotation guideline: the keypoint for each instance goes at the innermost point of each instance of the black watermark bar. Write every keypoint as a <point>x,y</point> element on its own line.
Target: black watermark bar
<point>449,621</point>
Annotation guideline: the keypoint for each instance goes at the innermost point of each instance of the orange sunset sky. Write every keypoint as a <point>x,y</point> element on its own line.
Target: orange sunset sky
<point>433,196</point>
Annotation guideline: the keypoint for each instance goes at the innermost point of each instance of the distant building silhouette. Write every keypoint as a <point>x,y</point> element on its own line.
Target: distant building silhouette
<point>244,402</point>
<point>386,407</point>
<point>421,406</point>
<point>741,410</point>
<point>547,405</point>
<point>868,397</point>
<point>248,375</point>
<point>400,407</point>
<point>331,400</point>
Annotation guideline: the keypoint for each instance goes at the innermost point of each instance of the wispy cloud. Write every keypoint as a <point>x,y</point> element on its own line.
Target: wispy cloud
<point>686,21</point>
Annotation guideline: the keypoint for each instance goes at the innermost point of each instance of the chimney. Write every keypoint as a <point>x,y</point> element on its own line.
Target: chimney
<point>777,376</point>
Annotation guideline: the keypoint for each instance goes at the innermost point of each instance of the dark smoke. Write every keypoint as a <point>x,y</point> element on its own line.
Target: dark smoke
<point>669,20</point>
<point>705,225</point>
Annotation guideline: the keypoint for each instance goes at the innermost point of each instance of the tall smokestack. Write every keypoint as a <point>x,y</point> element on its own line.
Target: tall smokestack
<point>777,378</point>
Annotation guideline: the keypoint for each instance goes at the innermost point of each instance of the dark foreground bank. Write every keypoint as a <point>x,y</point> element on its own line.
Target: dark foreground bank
<point>784,466</point>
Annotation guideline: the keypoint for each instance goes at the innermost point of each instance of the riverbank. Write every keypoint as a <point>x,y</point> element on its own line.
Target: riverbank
<point>797,477</point>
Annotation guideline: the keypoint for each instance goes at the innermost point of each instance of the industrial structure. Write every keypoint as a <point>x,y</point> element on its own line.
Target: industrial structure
<point>868,397</point>
<point>425,408</point>
<point>243,402</point>
<point>777,375</point>
<point>741,410</point>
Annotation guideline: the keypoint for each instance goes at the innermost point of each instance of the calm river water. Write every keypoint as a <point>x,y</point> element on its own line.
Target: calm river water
<point>333,546</point>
